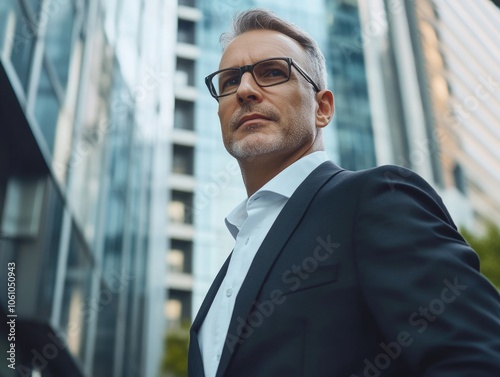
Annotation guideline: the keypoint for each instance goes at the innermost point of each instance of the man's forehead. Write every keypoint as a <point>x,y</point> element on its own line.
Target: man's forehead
<point>256,45</point>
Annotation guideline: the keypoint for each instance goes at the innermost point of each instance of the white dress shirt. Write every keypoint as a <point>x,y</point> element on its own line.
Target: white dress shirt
<point>249,224</point>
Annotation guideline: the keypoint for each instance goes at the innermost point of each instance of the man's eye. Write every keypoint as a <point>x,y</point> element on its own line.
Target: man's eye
<point>275,72</point>
<point>229,82</point>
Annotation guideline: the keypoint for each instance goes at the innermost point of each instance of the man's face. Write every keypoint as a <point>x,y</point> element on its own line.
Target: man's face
<point>276,121</point>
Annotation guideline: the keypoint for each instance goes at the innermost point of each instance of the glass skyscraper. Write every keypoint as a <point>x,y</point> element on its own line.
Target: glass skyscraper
<point>460,62</point>
<point>345,58</point>
<point>83,119</point>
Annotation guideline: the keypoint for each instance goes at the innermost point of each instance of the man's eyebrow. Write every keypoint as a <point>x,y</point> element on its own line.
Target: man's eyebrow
<point>234,66</point>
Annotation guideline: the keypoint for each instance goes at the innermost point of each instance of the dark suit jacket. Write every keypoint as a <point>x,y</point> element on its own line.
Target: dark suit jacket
<point>362,274</point>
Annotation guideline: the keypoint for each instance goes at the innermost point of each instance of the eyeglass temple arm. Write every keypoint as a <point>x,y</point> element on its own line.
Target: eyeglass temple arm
<point>306,76</point>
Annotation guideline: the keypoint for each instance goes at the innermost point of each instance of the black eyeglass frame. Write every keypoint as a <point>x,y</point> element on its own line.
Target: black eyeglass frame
<point>249,68</point>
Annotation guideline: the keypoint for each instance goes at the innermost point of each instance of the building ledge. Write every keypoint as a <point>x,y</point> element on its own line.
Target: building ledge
<point>186,93</point>
<point>184,137</point>
<point>181,231</point>
<point>177,280</point>
<point>182,182</point>
<point>187,51</point>
<point>189,13</point>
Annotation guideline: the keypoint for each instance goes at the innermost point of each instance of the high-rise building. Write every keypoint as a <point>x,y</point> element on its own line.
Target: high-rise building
<point>181,183</point>
<point>460,60</point>
<point>83,119</point>
<point>399,115</point>
<point>347,68</point>
<point>433,85</point>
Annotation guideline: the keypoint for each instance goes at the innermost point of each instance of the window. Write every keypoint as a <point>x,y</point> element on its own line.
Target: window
<point>188,3</point>
<point>5,10</point>
<point>58,39</point>
<point>34,5</point>
<point>459,178</point>
<point>180,207</point>
<point>105,307</point>
<point>178,307</point>
<point>183,160</point>
<point>23,207</point>
<point>184,115</point>
<point>186,32</point>
<point>21,44</point>
<point>47,108</point>
<point>76,292</point>
<point>184,74</point>
<point>179,257</point>
<point>52,224</point>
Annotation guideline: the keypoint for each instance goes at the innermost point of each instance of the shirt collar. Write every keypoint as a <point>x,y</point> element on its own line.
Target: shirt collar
<point>287,181</point>
<point>284,184</point>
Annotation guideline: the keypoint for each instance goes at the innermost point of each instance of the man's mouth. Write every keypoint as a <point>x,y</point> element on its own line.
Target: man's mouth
<point>249,118</point>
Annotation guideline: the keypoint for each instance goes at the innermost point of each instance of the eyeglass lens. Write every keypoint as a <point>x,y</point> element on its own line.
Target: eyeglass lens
<point>265,73</point>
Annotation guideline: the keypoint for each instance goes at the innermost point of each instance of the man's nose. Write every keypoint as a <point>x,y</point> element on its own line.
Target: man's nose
<point>248,90</point>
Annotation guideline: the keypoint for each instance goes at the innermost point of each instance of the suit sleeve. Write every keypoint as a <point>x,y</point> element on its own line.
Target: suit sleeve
<point>421,280</point>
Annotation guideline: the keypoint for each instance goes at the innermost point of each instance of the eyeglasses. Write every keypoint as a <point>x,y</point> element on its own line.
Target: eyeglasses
<point>268,72</point>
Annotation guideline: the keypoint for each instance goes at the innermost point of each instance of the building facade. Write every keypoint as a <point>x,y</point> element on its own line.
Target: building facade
<point>83,119</point>
<point>460,61</point>
<point>181,183</point>
<point>348,80</point>
<point>433,91</point>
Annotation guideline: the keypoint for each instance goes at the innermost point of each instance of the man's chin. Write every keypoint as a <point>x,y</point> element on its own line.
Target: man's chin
<point>247,150</point>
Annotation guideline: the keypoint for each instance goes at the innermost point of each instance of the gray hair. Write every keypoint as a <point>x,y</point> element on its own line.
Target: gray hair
<point>262,19</point>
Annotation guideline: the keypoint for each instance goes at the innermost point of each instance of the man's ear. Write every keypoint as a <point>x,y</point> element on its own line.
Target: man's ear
<point>326,107</point>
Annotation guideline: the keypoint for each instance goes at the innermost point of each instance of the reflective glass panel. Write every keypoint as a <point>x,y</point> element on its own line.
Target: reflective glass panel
<point>184,115</point>
<point>104,352</point>
<point>58,38</point>
<point>184,73</point>
<point>20,44</point>
<point>47,108</point>
<point>180,208</point>
<point>34,5</point>
<point>179,258</point>
<point>186,32</point>
<point>76,310</point>
<point>51,222</point>
<point>188,3</point>
<point>182,162</point>
<point>6,10</point>
<point>178,307</point>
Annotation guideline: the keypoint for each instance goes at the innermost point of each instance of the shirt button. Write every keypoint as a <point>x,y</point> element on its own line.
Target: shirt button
<point>229,292</point>
<point>218,357</point>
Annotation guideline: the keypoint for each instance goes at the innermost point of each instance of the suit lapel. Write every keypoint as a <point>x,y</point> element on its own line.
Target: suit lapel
<point>195,363</point>
<point>272,245</point>
<point>207,302</point>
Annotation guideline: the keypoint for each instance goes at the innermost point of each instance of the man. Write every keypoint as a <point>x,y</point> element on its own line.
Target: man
<point>334,273</point>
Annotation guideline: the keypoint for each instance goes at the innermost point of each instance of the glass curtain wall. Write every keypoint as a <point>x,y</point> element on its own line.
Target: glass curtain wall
<point>80,127</point>
<point>346,65</point>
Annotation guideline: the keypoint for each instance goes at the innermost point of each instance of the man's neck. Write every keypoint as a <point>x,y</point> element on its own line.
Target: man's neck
<point>258,175</point>
<point>256,172</point>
